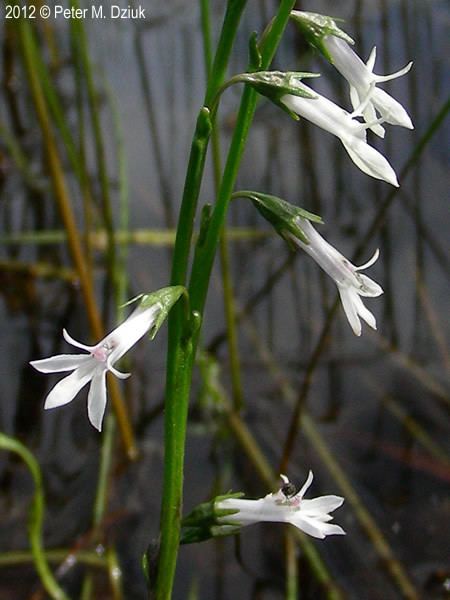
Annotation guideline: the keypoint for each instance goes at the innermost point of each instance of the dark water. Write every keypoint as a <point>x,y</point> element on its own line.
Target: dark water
<point>379,403</point>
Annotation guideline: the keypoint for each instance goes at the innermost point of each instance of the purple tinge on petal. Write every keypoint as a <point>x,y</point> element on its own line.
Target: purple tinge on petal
<point>66,390</point>
<point>130,331</point>
<point>97,398</point>
<point>60,362</point>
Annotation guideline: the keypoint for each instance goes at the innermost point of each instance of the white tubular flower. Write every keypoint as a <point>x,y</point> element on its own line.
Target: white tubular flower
<point>362,81</point>
<point>286,506</point>
<point>351,284</point>
<point>331,117</point>
<point>92,367</point>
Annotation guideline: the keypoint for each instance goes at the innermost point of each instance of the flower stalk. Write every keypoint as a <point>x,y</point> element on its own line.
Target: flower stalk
<point>182,338</point>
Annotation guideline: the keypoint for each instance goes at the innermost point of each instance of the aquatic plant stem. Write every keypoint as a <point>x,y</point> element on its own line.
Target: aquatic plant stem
<point>180,353</point>
<point>227,284</point>
<point>36,517</point>
<point>182,338</point>
<point>205,252</point>
<point>68,219</point>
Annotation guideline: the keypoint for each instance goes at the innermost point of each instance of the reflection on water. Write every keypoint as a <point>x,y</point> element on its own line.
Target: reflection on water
<point>376,408</point>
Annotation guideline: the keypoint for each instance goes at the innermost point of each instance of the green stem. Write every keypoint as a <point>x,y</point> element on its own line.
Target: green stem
<point>58,555</point>
<point>227,284</point>
<point>36,517</point>
<point>146,237</point>
<point>203,261</point>
<point>180,352</point>
<point>182,343</point>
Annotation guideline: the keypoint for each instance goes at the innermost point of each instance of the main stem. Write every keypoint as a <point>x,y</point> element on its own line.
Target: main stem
<point>180,352</point>
<point>183,339</point>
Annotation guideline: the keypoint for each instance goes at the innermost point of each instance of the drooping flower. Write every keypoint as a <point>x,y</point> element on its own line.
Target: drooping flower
<point>93,367</point>
<point>329,116</point>
<point>350,283</point>
<point>363,81</point>
<point>285,506</point>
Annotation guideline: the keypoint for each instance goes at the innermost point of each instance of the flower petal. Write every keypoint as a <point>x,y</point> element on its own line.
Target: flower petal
<point>370,262</point>
<point>364,312</point>
<point>390,109</point>
<point>309,526</point>
<point>354,97</point>
<point>97,398</point>
<point>60,362</point>
<point>306,485</point>
<point>130,331</point>
<point>370,116</point>
<point>322,504</point>
<point>369,287</point>
<point>372,58</point>
<point>317,529</point>
<point>347,298</point>
<point>369,160</point>
<point>395,75</point>
<point>66,390</point>
<point>117,373</point>
<point>70,340</point>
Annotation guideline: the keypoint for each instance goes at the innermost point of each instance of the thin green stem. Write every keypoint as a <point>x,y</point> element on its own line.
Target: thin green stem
<point>203,261</point>
<point>36,517</point>
<point>291,567</point>
<point>182,340</point>
<point>227,284</point>
<point>58,555</point>
<point>145,237</point>
<point>180,353</point>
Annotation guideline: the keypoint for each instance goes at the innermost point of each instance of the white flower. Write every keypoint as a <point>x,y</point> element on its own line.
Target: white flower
<point>351,284</point>
<point>362,82</point>
<point>286,506</point>
<point>92,367</point>
<point>331,117</point>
